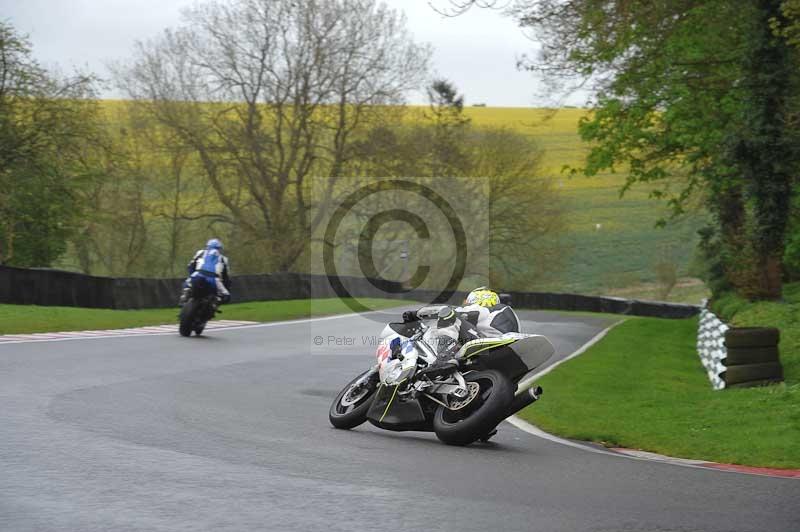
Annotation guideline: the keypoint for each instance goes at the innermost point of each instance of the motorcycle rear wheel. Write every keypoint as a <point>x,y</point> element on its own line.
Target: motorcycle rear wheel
<point>187,317</point>
<point>479,418</point>
<point>350,416</point>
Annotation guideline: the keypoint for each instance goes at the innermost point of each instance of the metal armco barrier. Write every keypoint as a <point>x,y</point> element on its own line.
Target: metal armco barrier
<point>59,288</point>
<point>52,287</point>
<point>578,302</point>
<point>615,305</point>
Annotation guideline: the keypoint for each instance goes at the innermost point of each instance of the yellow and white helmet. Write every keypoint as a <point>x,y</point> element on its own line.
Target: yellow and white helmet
<point>482,296</point>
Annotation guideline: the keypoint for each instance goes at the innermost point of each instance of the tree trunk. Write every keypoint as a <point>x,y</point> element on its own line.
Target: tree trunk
<point>772,277</point>
<point>767,151</point>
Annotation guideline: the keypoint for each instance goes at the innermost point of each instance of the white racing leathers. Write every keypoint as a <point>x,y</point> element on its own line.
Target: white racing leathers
<point>471,322</point>
<point>490,322</point>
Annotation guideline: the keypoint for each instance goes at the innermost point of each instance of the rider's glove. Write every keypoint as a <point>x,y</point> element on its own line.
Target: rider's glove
<point>410,315</point>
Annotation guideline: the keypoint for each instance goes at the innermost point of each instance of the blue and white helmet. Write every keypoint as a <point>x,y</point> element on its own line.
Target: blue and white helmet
<point>214,243</point>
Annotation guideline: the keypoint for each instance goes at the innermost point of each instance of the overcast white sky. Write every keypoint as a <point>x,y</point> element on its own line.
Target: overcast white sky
<point>477,50</point>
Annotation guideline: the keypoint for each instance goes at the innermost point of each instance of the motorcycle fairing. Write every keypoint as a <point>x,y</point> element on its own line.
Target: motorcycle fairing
<point>396,370</point>
<point>514,354</point>
<point>474,347</point>
<point>533,349</point>
<point>390,413</point>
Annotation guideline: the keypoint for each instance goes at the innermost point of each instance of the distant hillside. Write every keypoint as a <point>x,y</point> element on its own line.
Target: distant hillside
<point>612,243</point>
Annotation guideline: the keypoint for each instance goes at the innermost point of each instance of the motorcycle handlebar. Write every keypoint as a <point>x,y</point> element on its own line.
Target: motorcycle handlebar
<point>430,312</point>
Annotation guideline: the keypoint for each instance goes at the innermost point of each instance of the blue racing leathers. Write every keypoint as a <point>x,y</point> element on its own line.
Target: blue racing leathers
<point>211,267</point>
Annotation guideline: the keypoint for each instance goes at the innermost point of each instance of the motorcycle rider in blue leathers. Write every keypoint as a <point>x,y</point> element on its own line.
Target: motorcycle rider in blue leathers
<point>209,270</point>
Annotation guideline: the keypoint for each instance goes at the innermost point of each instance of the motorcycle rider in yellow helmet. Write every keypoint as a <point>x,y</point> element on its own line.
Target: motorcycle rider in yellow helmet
<point>491,318</point>
<point>481,316</point>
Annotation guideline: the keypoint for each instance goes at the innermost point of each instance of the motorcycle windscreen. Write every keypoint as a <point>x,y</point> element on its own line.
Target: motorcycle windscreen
<point>406,330</point>
<point>389,412</point>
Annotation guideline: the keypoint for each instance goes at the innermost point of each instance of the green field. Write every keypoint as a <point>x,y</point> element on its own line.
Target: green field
<point>608,244</point>
<point>643,387</point>
<point>623,251</point>
<point>22,319</point>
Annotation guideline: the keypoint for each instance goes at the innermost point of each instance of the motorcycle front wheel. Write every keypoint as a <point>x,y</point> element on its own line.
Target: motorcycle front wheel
<point>491,394</point>
<point>350,407</point>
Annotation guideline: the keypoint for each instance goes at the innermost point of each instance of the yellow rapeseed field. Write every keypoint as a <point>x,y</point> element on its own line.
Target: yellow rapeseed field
<point>611,244</point>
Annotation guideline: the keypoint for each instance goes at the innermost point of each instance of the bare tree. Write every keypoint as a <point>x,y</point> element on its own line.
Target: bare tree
<point>514,217</point>
<point>113,235</point>
<point>527,215</point>
<point>268,95</point>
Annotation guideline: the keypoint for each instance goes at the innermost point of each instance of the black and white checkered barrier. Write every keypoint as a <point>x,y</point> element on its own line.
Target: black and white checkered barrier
<point>711,347</point>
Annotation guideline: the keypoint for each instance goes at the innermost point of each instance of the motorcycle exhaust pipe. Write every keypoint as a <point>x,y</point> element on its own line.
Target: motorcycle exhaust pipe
<point>528,397</point>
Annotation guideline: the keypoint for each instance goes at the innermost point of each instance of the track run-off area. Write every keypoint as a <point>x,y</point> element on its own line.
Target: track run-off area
<point>230,432</point>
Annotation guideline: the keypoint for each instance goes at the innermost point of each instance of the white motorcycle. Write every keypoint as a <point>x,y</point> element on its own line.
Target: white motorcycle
<point>424,381</point>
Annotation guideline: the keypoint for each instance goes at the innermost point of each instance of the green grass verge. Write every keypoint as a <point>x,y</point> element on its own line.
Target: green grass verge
<point>19,319</point>
<point>643,387</point>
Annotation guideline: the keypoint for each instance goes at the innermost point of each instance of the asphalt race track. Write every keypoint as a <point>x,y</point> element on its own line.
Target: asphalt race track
<point>230,432</point>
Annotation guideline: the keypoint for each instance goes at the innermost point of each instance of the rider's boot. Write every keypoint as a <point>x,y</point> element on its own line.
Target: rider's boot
<point>438,368</point>
<point>215,303</point>
<point>488,436</point>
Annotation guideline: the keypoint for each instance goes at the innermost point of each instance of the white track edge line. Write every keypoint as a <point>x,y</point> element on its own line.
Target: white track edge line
<point>170,333</point>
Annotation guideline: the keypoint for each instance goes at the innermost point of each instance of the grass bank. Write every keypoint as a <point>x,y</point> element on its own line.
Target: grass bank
<point>21,319</point>
<point>785,315</point>
<point>643,387</point>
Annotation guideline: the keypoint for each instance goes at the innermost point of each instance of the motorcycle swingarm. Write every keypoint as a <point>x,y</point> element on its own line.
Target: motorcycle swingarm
<point>448,388</point>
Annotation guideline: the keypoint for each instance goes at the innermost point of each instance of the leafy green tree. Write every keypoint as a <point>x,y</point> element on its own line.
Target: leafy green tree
<point>791,257</point>
<point>691,97</point>
<point>47,124</point>
<point>789,27</point>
